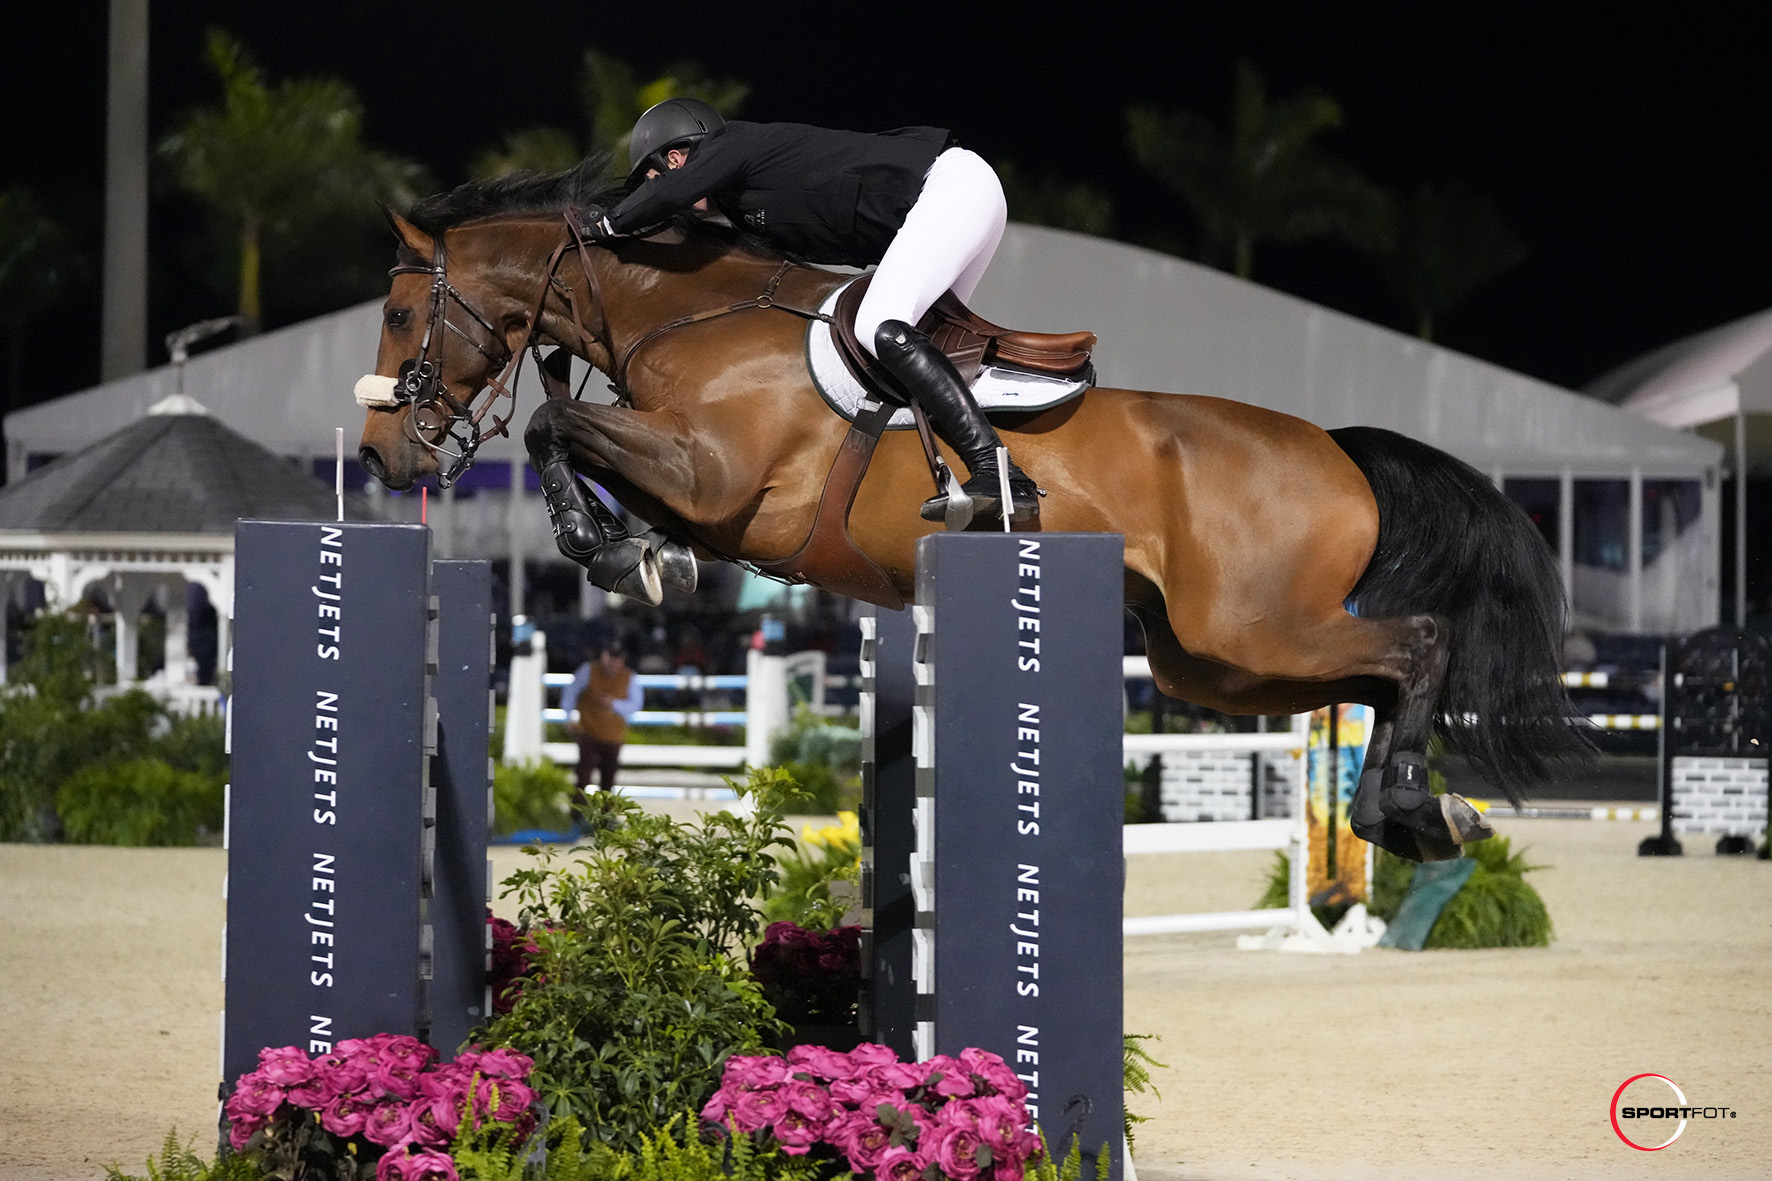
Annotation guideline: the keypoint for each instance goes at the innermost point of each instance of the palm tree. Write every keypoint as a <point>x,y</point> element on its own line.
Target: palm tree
<point>1049,200</point>
<point>1266,180</point>
<point>613,97</point>
<point>1449,242</point>
<point>534,149</point>
<point>40,260</point>
<point>272,159</point>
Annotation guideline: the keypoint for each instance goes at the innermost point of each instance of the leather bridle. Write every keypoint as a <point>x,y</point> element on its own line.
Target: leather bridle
<point>436,414</point>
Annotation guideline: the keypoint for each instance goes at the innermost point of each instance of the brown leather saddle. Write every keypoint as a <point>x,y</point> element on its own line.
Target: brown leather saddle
<point>829,556</point>
<point>969,340</point>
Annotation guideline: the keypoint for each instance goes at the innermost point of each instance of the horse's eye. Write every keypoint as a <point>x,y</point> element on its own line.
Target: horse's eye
<point>398,317</point>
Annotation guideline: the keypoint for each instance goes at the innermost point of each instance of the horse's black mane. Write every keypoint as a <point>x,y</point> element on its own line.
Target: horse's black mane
<point>585,184</point>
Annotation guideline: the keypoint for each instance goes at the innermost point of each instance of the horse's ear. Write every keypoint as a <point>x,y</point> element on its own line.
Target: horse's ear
<point>410,236</point>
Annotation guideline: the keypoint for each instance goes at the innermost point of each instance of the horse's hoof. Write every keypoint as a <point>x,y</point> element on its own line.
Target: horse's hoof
<point>1466,823</point>
<point>677,567</point>
<point>628,567</point>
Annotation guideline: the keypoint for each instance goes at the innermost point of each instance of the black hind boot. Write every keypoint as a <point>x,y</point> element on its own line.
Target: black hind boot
<point>930,378</point>
<point>1394,809</point>
<point>588,533</point>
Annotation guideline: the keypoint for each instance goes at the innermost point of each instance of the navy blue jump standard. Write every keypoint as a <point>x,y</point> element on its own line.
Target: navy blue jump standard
<point>1015,864</point>
<point>337,916</point>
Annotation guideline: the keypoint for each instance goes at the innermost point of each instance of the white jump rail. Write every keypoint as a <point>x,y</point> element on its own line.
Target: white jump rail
<point>1287,835</point>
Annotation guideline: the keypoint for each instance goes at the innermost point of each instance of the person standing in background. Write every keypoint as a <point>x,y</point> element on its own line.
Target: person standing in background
<point>603,695</point>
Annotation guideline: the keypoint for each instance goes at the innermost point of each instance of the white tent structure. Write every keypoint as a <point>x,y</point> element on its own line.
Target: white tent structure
<point>1629,505</point>
<point>1717,384</point>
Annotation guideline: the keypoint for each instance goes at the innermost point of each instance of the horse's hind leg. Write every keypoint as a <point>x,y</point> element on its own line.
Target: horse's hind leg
<point>1396,665</point>
<point>1393,807</point>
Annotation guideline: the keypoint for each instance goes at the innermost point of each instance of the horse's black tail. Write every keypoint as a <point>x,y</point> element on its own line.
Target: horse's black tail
<point>1450,544</point>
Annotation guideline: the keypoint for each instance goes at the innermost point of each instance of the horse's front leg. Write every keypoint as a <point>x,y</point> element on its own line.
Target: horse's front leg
<point>585,531</point>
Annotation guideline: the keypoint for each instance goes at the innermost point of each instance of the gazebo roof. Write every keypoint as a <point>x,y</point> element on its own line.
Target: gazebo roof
<point>176,469</point>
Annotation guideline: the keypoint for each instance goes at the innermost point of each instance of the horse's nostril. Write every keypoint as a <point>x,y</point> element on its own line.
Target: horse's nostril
<point>372,463</point>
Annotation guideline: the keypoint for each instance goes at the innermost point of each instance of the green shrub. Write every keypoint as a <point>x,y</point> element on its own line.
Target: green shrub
<point>641,989</point>
<point>1497,907</point>
<point>196,744</point>
<point>825,760</point>
<point>139,802</point>
<point>177,1162</point>
<point>808,892</point>
<point>51,732</point>
<point>531,796</point>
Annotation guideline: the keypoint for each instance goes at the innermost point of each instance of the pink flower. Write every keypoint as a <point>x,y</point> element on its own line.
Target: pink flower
<point>871,1054</point>
<point>406,1051</point>
<point>822,1061</point>
<point>954,1149</point>
<point>241,1131</point>
<point>344,1076</point>
<point>715,1110</point>
<point>994,1071</point>
<point>387,1124</point>
<point>393,1079</point>
<point>318,1091</point>
<point>422,1121</point>
<point>497,1063</point>
<point>900,1164</point>
<point>254,1095</point>
<point>502,1099</point>
<point>345,1115</point>
<point>809,1099</point>
<point>896,1076</point>
<point>404,1163</point>
<point>796,1133</point>
<point>760,1071</point>
<point>286,1066</point>
<point>1001,1122</point>
<point>447,1109</point>
<point>754,1110</point>
<point>853,1092</point>
<point>949,1077</point>
<point>860,1138</point>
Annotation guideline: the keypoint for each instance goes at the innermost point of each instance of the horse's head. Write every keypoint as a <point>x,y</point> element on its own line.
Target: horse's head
<point>449,331</point>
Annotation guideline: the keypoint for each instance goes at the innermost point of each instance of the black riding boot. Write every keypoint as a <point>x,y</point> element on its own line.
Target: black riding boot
<point>588,533</point>
<point>931,379</point>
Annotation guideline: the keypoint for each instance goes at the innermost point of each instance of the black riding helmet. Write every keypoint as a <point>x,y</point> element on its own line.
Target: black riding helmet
<point>673,123</point>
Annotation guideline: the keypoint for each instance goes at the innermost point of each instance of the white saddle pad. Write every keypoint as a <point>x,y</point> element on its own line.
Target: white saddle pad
<point>997,390</point>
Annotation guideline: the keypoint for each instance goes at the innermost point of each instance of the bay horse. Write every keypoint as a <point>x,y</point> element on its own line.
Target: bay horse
<point>1275,567</point>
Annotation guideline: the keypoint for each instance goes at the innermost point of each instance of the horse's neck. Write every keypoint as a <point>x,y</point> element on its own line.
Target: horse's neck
<point>639,298</point>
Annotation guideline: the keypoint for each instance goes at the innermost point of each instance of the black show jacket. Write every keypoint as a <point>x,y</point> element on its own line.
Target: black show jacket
<point>826,196</point>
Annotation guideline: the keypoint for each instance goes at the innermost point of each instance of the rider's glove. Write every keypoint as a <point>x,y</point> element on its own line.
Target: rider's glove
<point>593,222</point>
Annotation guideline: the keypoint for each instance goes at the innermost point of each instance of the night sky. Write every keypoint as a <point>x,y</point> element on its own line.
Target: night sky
<point>1626,150</point>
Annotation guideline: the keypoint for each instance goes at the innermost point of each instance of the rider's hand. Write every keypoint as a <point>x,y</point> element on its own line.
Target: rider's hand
<point>593,222</point>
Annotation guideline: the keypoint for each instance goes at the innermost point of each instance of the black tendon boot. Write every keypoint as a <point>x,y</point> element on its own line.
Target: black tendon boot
<point>930,378</point>
<point>589,534</point>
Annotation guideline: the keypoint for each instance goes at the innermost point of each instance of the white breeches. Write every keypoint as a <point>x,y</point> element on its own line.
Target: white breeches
<point>946,242</point>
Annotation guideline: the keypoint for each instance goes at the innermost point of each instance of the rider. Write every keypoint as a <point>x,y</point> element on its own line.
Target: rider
<point>929,213</point>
